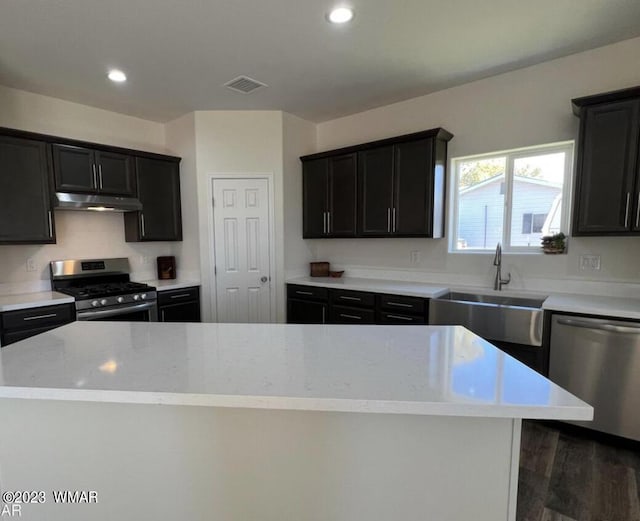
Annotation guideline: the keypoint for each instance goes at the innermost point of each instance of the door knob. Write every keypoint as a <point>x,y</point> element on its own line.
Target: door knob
<point>263,279</point>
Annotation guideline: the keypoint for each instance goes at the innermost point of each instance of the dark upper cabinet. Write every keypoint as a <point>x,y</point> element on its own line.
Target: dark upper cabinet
<point>607,187</point>
<point>158,186</point>
<point>329,197</point>
<point>341,217</point>
<point>86,170</point>
<point>389,188</point>
<point>115,173</point>
<point>25,202</point>
<point>375,191</point>
<point>315,194</point>
<point>74,169</point>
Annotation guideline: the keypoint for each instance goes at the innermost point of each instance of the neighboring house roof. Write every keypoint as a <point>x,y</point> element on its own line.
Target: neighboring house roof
<point>520,179</point>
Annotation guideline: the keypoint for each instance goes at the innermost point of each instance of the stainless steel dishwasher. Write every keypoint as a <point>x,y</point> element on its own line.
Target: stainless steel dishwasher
<point>599,361</point>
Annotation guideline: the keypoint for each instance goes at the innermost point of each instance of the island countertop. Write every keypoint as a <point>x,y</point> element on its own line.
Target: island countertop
<point>420,370</point>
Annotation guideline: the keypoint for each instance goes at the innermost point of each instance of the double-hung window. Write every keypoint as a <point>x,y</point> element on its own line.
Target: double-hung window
<point>514,197</point>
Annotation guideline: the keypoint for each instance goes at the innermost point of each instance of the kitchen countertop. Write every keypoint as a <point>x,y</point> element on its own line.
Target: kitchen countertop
<point>392,287</point>
<point>594,305</point>
<point>169,284</point>
<point>33,300</point>
<point>619,307</point>
<point>419,370</point>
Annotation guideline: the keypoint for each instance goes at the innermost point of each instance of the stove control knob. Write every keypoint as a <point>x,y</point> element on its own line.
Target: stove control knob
<point>136,297</point>
<point>103,302</point>
<point>95,303</point>
<point>143,296</point>
<point>120,300</point>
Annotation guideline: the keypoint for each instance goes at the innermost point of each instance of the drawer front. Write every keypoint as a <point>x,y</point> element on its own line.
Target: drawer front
<point>403,305</point>
<point>34,318</point>
<point>11,337</point>
<point>306,292</point>
<point>353,298</point>
<point>389,317</point>
<point>175,296</point>
<point>348,315</point>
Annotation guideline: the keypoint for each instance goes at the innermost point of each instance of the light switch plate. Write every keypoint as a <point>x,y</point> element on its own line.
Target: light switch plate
<point>414,257</point>
<point>31,264</point>
<point>590,262</point>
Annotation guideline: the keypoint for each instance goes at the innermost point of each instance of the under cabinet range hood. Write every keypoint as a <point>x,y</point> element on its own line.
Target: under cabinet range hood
<point>98,203</point>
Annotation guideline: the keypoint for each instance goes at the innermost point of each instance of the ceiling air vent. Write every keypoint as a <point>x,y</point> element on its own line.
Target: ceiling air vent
<point>244,84</point>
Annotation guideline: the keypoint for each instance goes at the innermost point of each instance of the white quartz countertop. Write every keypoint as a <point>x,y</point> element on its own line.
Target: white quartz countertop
<point>594,305</point>
<point>33,300</point>
<point>392,287</point>
<point>169,284</point>
<point>419,370</point>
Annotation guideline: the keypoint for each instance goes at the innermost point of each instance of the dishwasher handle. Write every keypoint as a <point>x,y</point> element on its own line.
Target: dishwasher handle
<point>599,326</point>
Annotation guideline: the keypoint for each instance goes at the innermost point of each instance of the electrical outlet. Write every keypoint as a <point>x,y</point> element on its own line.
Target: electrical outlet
<point>31,264</point>
<point>590,262</point>
<point>414,257</point>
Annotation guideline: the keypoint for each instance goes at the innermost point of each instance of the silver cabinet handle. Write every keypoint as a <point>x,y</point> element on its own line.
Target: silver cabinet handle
<point>345,297</point>
<point>638,212</point>
<point>95,176</point>
<point>399,304</point>
<point>182,295</point>
<point>162,315</point>
<point>142,231</point>
<point>100,175</point>
<point>328,222</point>
<point>394,220</point>
<point>50,224</point>
<point>599,326</point>
<point>355,317</point>
<point>324,310</point>
<point>398,317</point>
<point>626,210</point>
<point>324,222</point>
<point>389,220</point>
<point>39,317</point>
<point>304,293</point>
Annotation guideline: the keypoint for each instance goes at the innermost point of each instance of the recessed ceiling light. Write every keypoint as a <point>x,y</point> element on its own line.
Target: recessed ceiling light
<point>117,76</point>
<point>340,15</point>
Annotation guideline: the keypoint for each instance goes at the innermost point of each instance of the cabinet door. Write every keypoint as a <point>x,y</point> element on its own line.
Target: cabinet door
<point>375,191</point>
<point>74,169</point>
<point>115,173</point>
<point>315,183</point>
<point>342,196</point>
<point>606,169</point>
<point>184,312</point>
<point>158,183</point>
<point>413,179</point>
<point>25,204</point>
<point>306,312</point>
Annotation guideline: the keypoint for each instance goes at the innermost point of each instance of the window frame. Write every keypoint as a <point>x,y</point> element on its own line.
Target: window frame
<point>510,157</point>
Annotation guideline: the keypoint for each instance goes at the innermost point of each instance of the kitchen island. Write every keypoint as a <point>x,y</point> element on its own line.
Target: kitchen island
<point>268,422</point>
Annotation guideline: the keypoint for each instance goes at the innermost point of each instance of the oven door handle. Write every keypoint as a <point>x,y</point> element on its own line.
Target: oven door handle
<point>93,314</point>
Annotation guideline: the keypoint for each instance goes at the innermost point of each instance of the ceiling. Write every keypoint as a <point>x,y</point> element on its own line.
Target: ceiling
<point>179,53</point>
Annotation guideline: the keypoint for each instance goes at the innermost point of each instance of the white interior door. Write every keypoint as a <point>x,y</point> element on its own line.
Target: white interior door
<point>241,241</point>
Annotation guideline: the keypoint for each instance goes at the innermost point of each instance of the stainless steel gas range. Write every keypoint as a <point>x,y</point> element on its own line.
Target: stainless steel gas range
<point>103,290</point>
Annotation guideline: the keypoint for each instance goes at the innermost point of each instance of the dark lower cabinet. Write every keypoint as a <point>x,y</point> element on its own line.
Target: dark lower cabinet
<point>306,312</point>
<point>25,323</point>
<point>318,305</point>
<point>179,305</point>
<point>158,187</point>
<point>25,199</point>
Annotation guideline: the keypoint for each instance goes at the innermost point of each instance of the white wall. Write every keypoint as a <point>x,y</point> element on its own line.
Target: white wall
<point>238,142</point>
<point>299,139</point>
<point>79,234</point>
<point>522,108</point>
<point>181,141</point>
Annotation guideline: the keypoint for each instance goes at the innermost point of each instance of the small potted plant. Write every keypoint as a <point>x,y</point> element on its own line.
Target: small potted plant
<point>554,243</point>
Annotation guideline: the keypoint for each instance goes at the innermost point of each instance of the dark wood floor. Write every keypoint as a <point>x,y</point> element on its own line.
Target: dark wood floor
<point>569,476</point>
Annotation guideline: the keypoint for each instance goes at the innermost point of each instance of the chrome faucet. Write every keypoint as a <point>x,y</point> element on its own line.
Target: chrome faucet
<point>497,262</point>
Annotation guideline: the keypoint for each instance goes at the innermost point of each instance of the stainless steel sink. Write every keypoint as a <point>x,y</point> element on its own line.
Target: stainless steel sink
<point>501,318</point>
